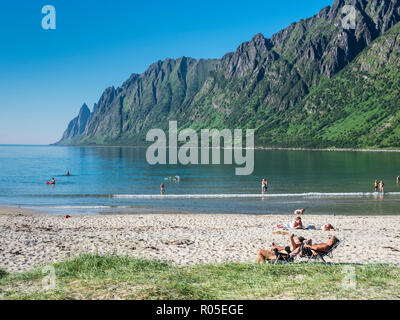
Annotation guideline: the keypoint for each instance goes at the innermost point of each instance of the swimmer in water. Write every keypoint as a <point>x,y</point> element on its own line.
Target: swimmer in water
<point>376,185</point>
<point>162,188</point>
<point>398,179</point>
<point>381,184</point>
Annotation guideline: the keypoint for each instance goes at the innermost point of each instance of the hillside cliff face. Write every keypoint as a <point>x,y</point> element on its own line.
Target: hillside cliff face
<point>77,126</point>
<point>266,84</point>
<point>360,106</point>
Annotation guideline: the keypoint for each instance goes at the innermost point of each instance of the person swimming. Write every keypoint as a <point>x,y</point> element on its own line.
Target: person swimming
<point>53,181</point>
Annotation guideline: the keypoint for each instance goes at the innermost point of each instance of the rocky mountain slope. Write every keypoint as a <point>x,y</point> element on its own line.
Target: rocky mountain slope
<point>360,107</point>
<point>285,87</point>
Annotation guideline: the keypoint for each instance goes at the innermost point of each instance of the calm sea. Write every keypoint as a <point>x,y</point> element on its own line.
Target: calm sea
<point>115,179</point>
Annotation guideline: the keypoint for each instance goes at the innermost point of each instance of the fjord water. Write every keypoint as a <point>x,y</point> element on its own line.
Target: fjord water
<point>119,180</point>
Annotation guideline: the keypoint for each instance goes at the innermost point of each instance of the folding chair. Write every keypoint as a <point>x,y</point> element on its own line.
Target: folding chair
<point>282,258</point>
<point>319,255</point>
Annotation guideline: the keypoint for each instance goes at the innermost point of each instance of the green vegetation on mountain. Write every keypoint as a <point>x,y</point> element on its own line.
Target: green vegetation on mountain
<point>313,84</point>
<point>360,107</point>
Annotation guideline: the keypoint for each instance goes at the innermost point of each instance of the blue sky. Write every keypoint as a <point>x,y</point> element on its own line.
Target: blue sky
<point>46,75</point>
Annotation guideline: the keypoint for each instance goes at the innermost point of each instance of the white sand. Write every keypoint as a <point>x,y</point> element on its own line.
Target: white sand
<point>28,240</point>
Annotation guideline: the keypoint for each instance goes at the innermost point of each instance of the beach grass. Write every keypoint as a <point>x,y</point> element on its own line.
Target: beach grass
<point>115,277</point>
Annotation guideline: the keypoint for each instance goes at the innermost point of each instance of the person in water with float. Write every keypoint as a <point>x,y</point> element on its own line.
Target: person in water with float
<point>53,181</point>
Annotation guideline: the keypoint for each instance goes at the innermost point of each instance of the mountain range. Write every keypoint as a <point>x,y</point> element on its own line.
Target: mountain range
<point>316,83</point>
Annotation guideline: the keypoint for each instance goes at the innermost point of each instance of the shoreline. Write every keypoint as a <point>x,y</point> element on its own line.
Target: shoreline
<point>329,149</point>
<point>22,211</point>
<point>255,148</point>
<point>31,240</point>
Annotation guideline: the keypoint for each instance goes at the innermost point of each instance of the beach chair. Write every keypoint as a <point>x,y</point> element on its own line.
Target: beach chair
<point>281,258</point>
<point>318,255</point>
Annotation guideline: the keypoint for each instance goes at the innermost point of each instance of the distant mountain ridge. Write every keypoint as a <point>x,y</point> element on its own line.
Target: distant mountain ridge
<point>267,84</point>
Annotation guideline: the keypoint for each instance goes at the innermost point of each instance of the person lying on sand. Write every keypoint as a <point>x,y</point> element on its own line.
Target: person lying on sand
<point>295,242</point>
<point>327,227</point>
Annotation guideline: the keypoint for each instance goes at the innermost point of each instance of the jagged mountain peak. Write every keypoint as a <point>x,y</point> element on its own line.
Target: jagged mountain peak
<point>258,85</point>
<point>84,109</point>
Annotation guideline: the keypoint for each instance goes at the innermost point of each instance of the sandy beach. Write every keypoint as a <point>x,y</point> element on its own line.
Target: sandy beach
<point>29,239</point>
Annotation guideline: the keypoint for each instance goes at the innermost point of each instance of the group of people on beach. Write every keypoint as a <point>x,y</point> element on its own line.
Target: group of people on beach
<point>297,246</point>
<point>298,223</point>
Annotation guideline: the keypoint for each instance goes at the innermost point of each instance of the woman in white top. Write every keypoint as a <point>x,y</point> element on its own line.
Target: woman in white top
<point>299,211</point>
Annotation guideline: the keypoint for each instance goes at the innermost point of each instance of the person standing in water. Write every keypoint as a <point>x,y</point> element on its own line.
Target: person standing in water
<point>381,184</point>
<point>376,185</point>
<point>398,179</point>
<point>264,185</point>
<point>162,188</point>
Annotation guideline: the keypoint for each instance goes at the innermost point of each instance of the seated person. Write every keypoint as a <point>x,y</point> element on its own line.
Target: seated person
<point>322,247</point>
<point>263,255</point>
<point>297,224</point>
